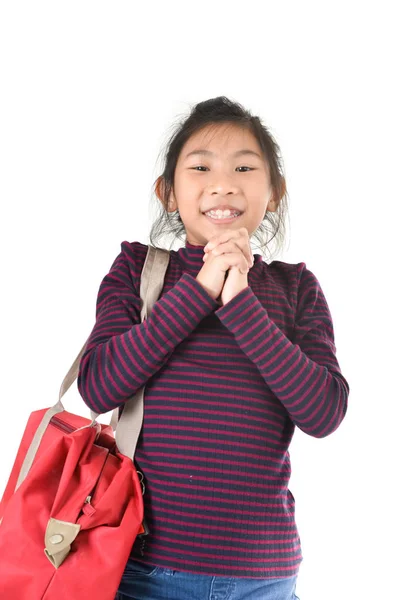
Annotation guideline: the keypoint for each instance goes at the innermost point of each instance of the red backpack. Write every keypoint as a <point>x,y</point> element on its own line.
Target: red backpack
<point>73,504</point>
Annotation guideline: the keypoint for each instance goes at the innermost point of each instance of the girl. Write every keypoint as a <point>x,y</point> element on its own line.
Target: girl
<point>234,355</point>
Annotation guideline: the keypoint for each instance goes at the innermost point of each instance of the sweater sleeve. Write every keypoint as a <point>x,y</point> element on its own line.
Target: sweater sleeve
<point>122,353</point>
<point>304,374</point>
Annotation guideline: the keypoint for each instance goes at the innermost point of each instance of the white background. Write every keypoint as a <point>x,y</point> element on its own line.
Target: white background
<point>89,93</point>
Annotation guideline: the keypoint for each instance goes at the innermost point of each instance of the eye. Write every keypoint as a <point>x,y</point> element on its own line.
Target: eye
<point>202,167</point>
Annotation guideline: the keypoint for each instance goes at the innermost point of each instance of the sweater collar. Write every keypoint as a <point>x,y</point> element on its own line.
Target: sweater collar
<point>191,258</point>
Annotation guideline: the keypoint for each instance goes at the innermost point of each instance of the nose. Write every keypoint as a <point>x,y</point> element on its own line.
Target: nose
<point>223,186</point>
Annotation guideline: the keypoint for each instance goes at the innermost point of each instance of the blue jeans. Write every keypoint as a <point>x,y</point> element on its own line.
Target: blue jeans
<point>147,582</point>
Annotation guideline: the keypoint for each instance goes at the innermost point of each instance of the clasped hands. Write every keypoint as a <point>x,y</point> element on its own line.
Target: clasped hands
<point>236,280</point>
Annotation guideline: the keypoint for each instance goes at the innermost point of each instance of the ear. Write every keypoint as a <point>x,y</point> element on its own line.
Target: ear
<point>274,200</point>
<point>160,191</point>
<point>159,188</point>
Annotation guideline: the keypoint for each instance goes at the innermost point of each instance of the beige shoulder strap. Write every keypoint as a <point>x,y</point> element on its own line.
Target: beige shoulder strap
<point>129,425</point>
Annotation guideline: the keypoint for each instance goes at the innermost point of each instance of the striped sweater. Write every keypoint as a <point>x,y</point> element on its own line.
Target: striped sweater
<point>225,388</point>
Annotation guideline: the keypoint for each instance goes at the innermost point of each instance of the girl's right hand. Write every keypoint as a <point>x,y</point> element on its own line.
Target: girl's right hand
<point>212,274</point>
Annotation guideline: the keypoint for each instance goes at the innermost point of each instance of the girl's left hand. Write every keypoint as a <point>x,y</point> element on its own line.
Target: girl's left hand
<point>236,280</point>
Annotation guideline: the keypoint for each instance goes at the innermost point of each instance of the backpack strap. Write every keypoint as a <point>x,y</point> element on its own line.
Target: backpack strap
<point>128,426</point>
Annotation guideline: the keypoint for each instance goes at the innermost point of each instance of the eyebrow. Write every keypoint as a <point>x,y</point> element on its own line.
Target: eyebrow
<point>238,153</point>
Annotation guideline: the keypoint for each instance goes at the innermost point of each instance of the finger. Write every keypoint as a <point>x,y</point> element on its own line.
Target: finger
<point>243,268</point>
<point>240,237</point>
<point>233,245</point>
<point>243,246</point>
<point>238,234</point>
<point>225,237</point>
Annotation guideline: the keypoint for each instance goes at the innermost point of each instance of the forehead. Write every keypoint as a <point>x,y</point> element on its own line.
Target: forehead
<point>221,138</point>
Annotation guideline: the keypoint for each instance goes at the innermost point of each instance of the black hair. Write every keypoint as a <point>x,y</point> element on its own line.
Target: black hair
<point>215,111</point>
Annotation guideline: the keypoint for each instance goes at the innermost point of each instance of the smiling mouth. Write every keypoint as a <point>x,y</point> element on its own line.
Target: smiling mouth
<point>223,219</point>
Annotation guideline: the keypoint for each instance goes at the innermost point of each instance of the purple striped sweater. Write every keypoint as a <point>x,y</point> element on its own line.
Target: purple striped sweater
<point>225,388</point>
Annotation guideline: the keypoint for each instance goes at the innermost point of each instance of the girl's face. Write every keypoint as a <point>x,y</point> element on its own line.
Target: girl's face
<point>221,175</point>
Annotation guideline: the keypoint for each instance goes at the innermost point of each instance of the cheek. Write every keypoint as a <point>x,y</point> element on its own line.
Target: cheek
<point>187,187</point>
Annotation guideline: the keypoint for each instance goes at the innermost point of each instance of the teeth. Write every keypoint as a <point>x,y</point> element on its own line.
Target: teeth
<point>222,214</point>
